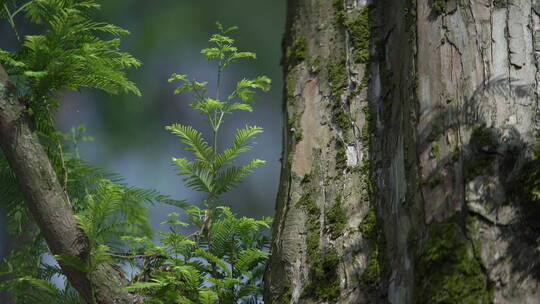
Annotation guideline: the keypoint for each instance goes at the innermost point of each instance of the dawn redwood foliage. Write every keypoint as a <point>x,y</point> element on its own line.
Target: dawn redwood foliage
<point>104,220</point>
<point>223,261</point>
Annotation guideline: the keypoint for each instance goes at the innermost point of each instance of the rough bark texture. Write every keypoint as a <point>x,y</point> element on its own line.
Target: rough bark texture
<point>428,156</point>
<point>326,240</point>
<point>46,199</point>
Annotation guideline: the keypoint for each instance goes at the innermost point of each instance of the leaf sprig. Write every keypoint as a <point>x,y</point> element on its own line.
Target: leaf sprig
<point>228,253</point>
<point>212,171</point>
<point>70,53</point>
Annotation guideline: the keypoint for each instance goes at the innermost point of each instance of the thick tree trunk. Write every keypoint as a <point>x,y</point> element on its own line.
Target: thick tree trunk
<point>409,183</point>
<point>326,245</point>
<point>47,201</point>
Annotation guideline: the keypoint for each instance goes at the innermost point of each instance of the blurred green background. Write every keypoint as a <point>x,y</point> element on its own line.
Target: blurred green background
<point>167,35</point>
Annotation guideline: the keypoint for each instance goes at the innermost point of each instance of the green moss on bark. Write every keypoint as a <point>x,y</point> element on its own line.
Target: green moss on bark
<point>307,203</point>
<point>341,156</point>
<point>436,132</point>
<point>337,75</point>
<point>285,295</point>
<point>529,191</point>
<point>369,127</point>
<point>377,263</point>
<point>360,33</point>
<point>324,281</point>
<point>440,6</point>
<point>340,16</point>
<point>485,144</point>
<point>448,269</point>
<point>436,151</point>
<point>435,180</point>
<point>341,119</point>
<point>336,219</point>
<point>456,153</point>
<point>484,139</point>
<point>299,50</point>
<point>291,87</point>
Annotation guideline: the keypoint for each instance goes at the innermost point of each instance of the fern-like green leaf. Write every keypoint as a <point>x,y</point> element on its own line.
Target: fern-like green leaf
<point>232,176</point>
<point>214,259</point>
<point>197,175</point>
<point>194,141</point>
<point>43,285</point>
<point>207,296</point>
<point>73,262</point>
<point>240,145</point>
<point>249,258</point>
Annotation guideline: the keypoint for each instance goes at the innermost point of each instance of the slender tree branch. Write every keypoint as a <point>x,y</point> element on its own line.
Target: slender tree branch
<point>46,200</point>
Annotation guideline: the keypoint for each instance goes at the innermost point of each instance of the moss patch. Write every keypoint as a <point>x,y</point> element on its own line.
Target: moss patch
<point>436,151</point>
<point>307,203</point>
<point>478,167</point>
<point>299,50</point>
<point>435,180</point>
<point>360,33</point>
<point>340,118</point>
<point>340,17</point>
<point>336,219</point>
<point>286,294</point>
<point>369,127</point>
<point>369,225</point>
<point>337,75</point>
<point>291,101</point>
<point>291,87</point>
<point>484,139</point>
<point>368,186</point>
<point>456,153</point>
<point>324,284</point>
<point>439,7</point>
<point>485,144</point>
<point>436,132</point>
<point>529,191</point>
<point>324,281</point>
<point>448,271</point>
<point>377,265</point>
<point>341,156</point>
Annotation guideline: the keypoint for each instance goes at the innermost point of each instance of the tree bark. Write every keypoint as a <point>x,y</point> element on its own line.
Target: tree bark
<point>418,119</point>
<point>325,233</point>
<point>47,201</point>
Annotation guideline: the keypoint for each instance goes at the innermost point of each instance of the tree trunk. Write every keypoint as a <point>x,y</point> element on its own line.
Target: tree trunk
<point>411,182</point>
<point>326,245</point>
<point>47,201</point>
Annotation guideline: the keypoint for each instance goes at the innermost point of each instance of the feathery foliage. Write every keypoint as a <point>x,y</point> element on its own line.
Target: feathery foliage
<point>70,51</point>
<point>106,210</point>
<point>223,261</point>
<point>212,171</point>
<point>224,266</point>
